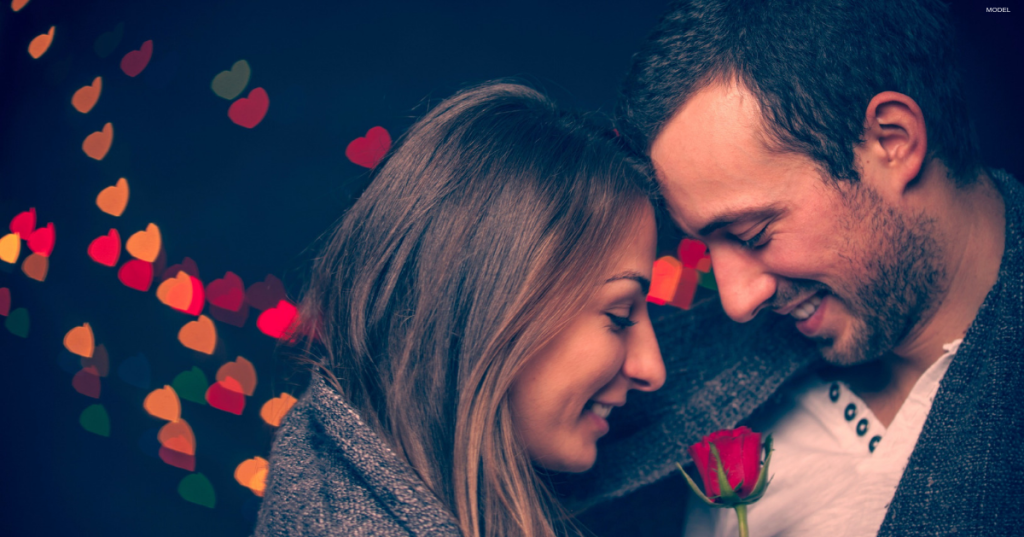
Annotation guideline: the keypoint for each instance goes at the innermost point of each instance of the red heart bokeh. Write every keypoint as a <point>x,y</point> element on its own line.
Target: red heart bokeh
<point>266,294</point>
<point>106,249</point>
<point>87,382</point>
<point>24,223</point>
<point>198,297</point>
<point>226,395</point>
<point>177,459</point>
<point>136,274</point>
<point>187,265</point>
<point>249,111</point>
<point>41,240</point>
<point>277,321</point>
<point>135,61</point>
<point>234,318</point>
<point>691,251</point>
<point>5,301</point>
<point>226,293</point>
<point>367,151</point>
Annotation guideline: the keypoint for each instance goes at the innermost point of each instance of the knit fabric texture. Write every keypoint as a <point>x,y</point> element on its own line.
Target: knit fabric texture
<point>966,473</point>
<point>330,474</point>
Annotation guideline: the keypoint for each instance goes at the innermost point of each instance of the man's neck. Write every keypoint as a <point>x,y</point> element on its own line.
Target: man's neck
<point>973,226</point>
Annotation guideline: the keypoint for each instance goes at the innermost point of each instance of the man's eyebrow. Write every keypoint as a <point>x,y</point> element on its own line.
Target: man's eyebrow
<point>645,284</point>
<point>730,217</point>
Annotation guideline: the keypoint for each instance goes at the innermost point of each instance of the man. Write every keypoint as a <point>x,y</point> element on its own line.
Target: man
<point>823,152</point>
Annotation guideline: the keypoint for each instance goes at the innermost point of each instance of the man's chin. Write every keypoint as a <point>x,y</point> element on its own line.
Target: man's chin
<point>848,349</point>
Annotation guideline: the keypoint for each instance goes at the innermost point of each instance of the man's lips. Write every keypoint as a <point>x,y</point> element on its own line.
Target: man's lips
<point>793,305</point>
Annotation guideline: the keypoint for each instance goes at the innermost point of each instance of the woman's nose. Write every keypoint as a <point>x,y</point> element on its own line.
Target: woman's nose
<point>644,366</point>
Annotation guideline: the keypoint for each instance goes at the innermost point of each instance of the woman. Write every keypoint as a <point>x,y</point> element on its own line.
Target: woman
<point>476,315</point>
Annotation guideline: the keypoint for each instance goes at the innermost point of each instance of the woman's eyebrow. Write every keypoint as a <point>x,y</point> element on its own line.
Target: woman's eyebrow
<point>645,284</point>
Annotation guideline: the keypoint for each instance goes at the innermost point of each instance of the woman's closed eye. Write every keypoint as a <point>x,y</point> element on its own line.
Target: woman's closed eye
<point>620,323</point>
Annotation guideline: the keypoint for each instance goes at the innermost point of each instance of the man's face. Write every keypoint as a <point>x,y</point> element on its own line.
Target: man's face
<point>855,272</point>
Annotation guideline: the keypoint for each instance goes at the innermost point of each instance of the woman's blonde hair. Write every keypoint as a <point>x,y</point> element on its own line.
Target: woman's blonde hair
<point>482,233</point>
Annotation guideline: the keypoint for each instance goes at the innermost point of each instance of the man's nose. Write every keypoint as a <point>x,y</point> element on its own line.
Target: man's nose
<point>744,285</point>
<point>643,366</point>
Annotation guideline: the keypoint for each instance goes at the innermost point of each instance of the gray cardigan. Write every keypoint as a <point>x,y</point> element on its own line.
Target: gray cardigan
<point>964,477</point>
<point>330,474</point>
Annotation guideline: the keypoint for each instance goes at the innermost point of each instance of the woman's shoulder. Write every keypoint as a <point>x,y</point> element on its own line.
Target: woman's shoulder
<point>331,474</point>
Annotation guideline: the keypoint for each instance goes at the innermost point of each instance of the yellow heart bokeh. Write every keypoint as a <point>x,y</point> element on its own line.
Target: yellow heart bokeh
<point>113,199</point>
<point>98,143</point>
<point>10,248</point>
<point>145,245</point>
<point>163,403</point>
<point>79,340</point>
<point>199,335</point>
<point>85,98</point>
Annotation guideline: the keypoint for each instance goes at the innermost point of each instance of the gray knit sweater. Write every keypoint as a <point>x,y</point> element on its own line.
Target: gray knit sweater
<point>330,474</point>
<point>966,474</point>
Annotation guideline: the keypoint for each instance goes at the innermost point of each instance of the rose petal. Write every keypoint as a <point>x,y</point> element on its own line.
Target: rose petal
<point>730,450</point>
<point>701,454</point>
<point>751,461</point>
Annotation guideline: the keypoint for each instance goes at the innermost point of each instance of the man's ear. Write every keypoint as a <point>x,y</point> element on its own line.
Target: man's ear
<point>895,142</point>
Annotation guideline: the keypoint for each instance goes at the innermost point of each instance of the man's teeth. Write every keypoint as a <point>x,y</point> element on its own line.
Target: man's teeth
<point>602,411</point>
<point>805,310</point>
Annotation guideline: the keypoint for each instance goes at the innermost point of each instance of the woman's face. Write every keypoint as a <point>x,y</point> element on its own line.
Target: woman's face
<point>563,395</point>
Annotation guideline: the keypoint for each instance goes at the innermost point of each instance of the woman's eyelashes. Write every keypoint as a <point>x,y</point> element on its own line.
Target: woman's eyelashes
<point>620,323</point>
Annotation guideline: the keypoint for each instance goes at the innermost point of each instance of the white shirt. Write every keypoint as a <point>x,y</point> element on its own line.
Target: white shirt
<point>835,466</point>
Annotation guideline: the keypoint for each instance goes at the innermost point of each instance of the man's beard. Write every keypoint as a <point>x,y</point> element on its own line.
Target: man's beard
<point>897,278</point>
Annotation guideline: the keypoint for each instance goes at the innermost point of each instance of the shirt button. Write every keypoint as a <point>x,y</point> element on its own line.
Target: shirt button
<point>862,426</point>
<point>833,392</point>
<point>850,412</point>
<point>873,443</point>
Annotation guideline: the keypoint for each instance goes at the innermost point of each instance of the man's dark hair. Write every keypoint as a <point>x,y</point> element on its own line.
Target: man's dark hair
<point>813,67</point>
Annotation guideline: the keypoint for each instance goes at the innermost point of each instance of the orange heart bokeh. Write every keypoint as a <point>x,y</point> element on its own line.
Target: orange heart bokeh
<point>40,44</point>
<point>242,371</point>
<point>79,340</point>
<point>274,410</point>
<point>36,266</point>
<point>199,335</point>
<point>252,474</point>
<point>113,199</point>
<point>163,403</point>
<point>145,245</point>
<point>85,98</point>
<point>98,143</point>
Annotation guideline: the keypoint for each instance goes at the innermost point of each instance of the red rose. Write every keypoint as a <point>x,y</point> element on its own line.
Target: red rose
<point>729,463</point>
<point>740,451</point>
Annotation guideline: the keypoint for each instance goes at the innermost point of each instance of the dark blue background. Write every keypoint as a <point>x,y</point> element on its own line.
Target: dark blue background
<point>254,201</point>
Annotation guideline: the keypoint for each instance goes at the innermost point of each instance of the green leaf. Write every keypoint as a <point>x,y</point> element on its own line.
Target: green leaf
<point>725,491</point>
<point>696,489</point>
<point>762,479</point>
